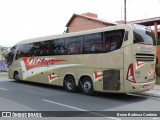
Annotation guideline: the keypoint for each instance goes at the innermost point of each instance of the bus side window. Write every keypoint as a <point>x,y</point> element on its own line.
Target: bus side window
<point>75,48</point>
<point>93,43</point>
<point>107,45</point>
<point>115,43</point>
<point>74,45</point>
<point>10,55</point>
<point>52,47</point>
<point>58,48</point>
<point>113,40</point>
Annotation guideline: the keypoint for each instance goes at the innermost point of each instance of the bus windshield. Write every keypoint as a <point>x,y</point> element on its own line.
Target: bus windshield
<point>143,35</point>
<point>10,55</point>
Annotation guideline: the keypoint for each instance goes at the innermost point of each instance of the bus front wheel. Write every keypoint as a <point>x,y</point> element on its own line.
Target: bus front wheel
<point>87,86</point>
<point>69,84</point>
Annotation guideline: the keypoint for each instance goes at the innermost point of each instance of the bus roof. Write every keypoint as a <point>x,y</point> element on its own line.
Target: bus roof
<point>52,37</point>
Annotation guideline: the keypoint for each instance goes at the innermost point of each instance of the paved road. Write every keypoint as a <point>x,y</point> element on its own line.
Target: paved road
<point>36,97</point>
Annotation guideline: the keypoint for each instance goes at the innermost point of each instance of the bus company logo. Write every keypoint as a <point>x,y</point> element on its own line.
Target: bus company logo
<point>150,72</point>
<point>139,64</point>
<point>52,77</point>
<point>33,62</point>
<point>97,75</point>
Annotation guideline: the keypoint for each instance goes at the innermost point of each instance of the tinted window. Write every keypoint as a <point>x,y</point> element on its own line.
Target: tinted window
<point>57,47</point>
<point>10,55</point>
<point>143,34</point>
<point>33,49</point>
<point>74,45</point>
<point>113,40</point>
<point>44,48</point>
<point>23,51</point>
<point>93,43</point>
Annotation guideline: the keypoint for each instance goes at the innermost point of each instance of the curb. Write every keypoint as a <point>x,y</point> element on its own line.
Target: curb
<point>150,94</point>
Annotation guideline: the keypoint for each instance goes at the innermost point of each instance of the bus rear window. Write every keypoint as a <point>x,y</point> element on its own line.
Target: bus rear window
<point>143,35</point>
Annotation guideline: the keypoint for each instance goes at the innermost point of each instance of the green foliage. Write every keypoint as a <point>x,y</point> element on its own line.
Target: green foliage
<point>158,74</point>
<point>158,70</point>
<point>158,42</point>
<point>4,51</point>
<point>158,81</point>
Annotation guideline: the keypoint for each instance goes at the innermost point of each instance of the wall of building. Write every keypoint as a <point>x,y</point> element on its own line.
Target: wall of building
<point>80,24</point>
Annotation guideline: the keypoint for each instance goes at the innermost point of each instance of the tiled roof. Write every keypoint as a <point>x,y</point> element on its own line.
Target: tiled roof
<point>90,18</point>
<point>149,21</point>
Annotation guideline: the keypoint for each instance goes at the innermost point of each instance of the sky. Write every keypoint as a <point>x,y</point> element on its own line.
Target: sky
<point>25,19</point>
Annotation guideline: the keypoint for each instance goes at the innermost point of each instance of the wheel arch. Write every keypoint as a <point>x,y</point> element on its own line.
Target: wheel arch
<point>16,71</point>
<point>83,76</point>
<point>69,74</point>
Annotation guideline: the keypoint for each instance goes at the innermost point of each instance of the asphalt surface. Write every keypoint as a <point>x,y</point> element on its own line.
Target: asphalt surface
<point>37,97</point>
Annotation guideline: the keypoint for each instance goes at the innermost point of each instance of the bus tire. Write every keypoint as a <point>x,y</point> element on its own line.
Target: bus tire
<point>16,76</point>
<point>69,84</point>
<point>87,86</point>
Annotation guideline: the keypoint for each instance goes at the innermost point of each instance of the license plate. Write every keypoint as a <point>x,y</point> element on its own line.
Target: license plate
<point>145,86</point>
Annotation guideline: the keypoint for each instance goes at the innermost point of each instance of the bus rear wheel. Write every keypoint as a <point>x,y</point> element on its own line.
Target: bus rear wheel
<point>87,86</point>
<point>16,76</point>
<point>69,84</point>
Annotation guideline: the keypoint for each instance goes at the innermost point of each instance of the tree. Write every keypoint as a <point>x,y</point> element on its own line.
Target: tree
<point>4,51</point>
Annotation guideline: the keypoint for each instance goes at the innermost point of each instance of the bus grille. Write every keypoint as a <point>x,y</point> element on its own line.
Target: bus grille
<point>144,57</point>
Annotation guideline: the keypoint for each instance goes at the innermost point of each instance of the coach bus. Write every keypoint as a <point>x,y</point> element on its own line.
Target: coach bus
<point>115,59</point>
